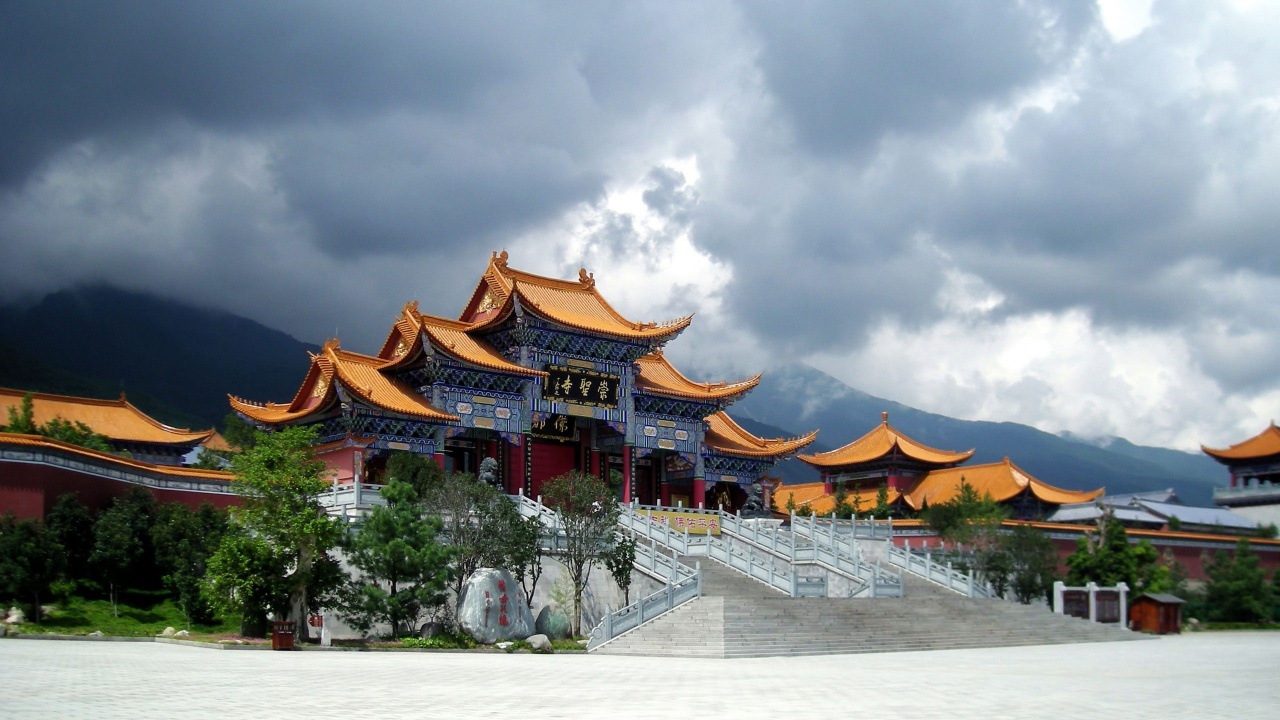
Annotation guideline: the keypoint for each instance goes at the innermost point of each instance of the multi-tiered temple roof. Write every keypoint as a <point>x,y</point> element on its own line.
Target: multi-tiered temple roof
<point>1261,447</point>
<point>529,351</point>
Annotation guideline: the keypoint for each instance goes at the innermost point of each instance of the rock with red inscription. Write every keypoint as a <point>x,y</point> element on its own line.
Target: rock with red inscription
<point>493,607</point>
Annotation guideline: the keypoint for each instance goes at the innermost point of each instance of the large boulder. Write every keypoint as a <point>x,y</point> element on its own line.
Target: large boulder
<point>553,622</point>
<point>15,616</point>
<point>540,644</point>
<point>493,607</point>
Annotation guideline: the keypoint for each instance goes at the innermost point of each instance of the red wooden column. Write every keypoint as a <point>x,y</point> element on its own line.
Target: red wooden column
<point>595,463</point>
<point>626,473</point>
<point>699,492</point>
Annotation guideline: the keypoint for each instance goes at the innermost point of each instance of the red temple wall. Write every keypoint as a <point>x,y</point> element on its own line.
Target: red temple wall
<point>30,490</point>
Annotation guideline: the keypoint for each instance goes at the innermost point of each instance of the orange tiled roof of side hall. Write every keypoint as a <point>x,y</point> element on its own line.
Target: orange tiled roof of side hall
<point>658,375</point>
<point>1002,480</point>
<point>1264,444</point>
<point>38,441</point>
<point>727,436</point>
<point>358,373</point>
<point>115,419</point>
<point>814,496</point>
<point>576,304</point>
<point>880,442</point>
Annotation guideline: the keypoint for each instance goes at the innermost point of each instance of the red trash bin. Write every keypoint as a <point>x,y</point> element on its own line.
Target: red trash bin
<point>281,636</point>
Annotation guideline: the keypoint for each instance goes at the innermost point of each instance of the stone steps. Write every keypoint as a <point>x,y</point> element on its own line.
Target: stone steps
<point>741,617</point>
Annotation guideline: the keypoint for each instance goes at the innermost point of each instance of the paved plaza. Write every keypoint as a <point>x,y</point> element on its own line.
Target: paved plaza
<point>1207,675</point>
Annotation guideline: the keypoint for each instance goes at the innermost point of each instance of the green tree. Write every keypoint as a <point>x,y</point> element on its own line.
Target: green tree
<point>620,561</point>
<point>404,569</point>
<point>967,517</point>
<point>1032,563</point>
<point>29,561</point>
<point>246,578</point>
<point>417,470</point>
<point>184,539</point>
<point>123,555</point>
<point>279,482</point>
<point>1106,557</point>
<point>840,506</point>
<point>882,509</point>
<point>587,516</point>
<point>71,526</point>
<point>1237,588</point>
<point>75,433</point>
<point>22,417</point>
<point>524,553</point>
<point>791,503</point>
<point>477,520</point>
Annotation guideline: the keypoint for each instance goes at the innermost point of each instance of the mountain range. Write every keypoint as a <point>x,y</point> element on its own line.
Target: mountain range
<point>178,362</point>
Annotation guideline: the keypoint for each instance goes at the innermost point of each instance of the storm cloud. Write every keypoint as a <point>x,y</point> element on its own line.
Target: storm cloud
<point>1049,212</point>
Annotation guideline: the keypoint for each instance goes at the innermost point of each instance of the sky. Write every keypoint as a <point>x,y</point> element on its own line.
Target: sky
<point>1060,214</point>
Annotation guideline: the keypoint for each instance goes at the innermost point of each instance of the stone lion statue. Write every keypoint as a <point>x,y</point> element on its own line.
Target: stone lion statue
<point>489,472</point>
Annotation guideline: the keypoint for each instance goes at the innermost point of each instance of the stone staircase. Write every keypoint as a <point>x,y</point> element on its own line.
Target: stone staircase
<point>740,617</point>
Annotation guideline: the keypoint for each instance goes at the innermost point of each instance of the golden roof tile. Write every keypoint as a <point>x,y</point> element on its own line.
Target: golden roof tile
<point>1002,480</point>
<point>1264,444</point>
<point>360,374</point>
<point>116,419</point>
<point>657,375</point>
<point>813,496</point>
<point>879,443</point>
<point>452,338</point>
<point>576,304</point>
<point>726,436</point>
<point>37,441</point>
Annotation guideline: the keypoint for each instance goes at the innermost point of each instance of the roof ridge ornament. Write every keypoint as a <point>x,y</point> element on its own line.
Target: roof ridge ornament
<point>499,259</point>
<point>587,279</point>
<point>884,416</point>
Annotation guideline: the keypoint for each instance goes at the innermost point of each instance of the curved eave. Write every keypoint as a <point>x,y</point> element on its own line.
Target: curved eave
<point>1264,445</point>
<point>880,443</point>
<point>658,376</point>
<point>453,339</point>
<point>276,413</point>
<point>38,441</point>
<point>815,497</point>
<point>361,375</point>
<point>726,437</point>
<point>611,324</point>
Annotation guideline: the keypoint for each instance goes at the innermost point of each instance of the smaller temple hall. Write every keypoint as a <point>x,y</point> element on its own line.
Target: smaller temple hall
<point>543,376</point>
<point>915,475</point>
<point>1254,466</point>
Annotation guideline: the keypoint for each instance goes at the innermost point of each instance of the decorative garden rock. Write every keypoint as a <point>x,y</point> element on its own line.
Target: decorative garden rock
<point>4,630</point>
<point>430,630</point>
<point>493,607</point>
<point>553,622</point>
<point>168,632</point>
<point>540,643</point>
<point>15,616</point>
<point>182,633</point>
<point>96,633</point>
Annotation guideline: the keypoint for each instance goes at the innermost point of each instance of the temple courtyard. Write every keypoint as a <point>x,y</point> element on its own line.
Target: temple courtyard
<point>1204,675</point>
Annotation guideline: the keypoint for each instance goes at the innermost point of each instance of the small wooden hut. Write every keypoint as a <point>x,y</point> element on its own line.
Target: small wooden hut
<point>1157,613</point>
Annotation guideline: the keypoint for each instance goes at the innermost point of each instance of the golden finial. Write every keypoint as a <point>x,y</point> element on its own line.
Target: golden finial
<point>586,278</point>
<point>884,416</point>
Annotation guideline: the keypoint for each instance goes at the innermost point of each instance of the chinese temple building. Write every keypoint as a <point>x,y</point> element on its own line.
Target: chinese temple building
<point>127,429</point>
<point>36,470</point>
<point>1254,465</point>
<point>915,475</point>
<point>542,375</point>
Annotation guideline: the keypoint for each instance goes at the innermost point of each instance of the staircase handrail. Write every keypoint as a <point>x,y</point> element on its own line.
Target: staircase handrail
<point>672,596</point>
<point>843,560</point>
<point>923,565</point>
<point>853,527</point>
<point>643,525</point>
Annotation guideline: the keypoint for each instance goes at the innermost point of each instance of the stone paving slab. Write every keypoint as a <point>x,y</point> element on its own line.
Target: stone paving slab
<point>1205,675</point>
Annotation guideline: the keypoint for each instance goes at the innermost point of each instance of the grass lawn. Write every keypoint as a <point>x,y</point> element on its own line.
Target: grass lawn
<point>142,614</point>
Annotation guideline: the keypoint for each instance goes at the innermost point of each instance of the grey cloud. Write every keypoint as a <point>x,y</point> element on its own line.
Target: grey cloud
<point>847,74</point>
